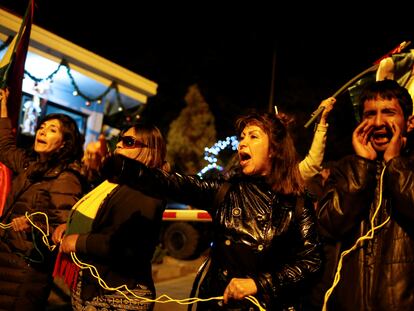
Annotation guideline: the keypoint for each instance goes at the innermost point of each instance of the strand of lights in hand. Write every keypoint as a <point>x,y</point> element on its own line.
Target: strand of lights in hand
<point>122,289</point>
<point>210,154</point>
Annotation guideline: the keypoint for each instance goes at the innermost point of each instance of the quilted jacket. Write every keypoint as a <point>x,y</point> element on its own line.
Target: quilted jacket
<point>25,260</point>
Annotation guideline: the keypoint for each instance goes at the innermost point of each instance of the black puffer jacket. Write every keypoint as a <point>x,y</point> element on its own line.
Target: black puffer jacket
<point>258,233</point>
<point>378,274</point>
<point>26,261</point>
<point>53,194</point>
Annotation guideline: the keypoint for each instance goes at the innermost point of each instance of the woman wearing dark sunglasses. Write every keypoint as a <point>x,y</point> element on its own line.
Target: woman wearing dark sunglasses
<point>130,142</point>
<point>264,239</point>
<point>116,228</point>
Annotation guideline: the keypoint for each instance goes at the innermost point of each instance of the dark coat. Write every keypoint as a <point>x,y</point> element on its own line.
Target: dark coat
<point>121,244</point>
<point>25,255</point>
<point>258,233</point>
<point>378,274</point>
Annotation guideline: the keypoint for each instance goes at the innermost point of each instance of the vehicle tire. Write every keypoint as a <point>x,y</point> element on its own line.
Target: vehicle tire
<point>181,240</point>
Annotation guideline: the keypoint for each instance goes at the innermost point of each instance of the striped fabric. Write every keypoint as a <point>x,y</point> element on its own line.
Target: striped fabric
<point>80,221</point>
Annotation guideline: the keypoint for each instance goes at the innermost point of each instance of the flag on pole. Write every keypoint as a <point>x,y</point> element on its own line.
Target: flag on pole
<point>372,74</point>
<point>399,67</point>
<point>13,62</point>
<point>11,76</point>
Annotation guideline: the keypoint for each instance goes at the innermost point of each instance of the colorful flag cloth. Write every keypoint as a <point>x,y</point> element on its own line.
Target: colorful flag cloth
<point>12,65</point>
<point>84,211</point>
<point>398,67</point>
<point>80,221</point>
<point>395,65</point>
<point>5,181</point>
<point>11,76</point>
<point>401,69</point>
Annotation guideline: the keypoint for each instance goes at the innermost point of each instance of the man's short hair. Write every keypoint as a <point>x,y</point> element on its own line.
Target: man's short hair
<point>387,89</point>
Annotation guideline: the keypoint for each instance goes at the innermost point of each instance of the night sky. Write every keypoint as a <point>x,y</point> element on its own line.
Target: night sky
<point>229,50</point>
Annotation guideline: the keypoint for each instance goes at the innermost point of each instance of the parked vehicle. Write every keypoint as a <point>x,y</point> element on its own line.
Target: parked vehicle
<point>186,231</point>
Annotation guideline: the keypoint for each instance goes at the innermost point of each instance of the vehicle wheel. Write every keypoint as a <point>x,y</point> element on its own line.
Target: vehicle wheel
<point>181,240</point>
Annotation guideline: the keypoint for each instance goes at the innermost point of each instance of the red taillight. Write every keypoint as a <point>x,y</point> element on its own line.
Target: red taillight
<point>168,214</point>
<point>203,215</point>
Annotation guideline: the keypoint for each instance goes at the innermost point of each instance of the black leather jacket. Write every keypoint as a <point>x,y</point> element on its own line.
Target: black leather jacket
<point>258,233</point>
<point>378,274</point>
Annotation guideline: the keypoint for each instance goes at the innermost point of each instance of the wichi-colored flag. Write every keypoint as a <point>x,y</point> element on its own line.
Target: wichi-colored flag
<point>11,77</point>
<point>402,70</point>
<point>13,62</point>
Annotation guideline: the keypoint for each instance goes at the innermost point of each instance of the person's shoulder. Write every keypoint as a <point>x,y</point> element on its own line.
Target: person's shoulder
<point>307,195</point>
<point>73,173</point>
<point>348,157</point>
<point>353,160</point>
<point>73,169</point>
<point>133,195</point>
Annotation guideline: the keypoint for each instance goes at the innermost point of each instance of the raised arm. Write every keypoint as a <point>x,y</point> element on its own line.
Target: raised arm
<point>188,189</point>
<point>312,163</point>
<point>4,94</point>
<point>11,156</point>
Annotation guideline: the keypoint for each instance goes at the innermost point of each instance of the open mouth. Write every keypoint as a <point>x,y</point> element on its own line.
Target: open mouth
<point>381,137</point>
<point>244,157</point>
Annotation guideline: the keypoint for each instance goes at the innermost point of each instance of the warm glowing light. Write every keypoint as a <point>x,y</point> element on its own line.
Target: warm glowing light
<point>210,154</point>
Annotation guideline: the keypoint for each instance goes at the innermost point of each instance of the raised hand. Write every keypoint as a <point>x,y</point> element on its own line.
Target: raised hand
<point>4,94</point>
<point>361,140</point>
<point>328,104</point>
<point>396,143</point>
<point>95,153</point>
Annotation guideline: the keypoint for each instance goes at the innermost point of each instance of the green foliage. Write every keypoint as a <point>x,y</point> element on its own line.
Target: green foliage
<point>192,131</point>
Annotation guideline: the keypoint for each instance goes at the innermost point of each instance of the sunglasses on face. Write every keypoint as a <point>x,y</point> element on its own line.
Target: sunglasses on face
<point>131,142</point>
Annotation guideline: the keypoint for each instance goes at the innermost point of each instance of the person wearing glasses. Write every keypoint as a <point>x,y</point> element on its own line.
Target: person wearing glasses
<point>265,243</point>
<point>115,229</point>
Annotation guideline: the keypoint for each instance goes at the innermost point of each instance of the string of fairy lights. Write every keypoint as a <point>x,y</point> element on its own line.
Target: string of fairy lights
<point>123,289</point>
<point>76,89</point>
<point>211,153</point>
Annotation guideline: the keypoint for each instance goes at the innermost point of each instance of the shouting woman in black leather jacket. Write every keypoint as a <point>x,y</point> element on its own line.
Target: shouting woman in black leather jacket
<point>265,243</point>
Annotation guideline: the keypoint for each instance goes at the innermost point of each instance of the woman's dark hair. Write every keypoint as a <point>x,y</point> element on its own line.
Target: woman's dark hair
<point>387,89</point>
<point>284,176</point>
<point>71,151</point>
